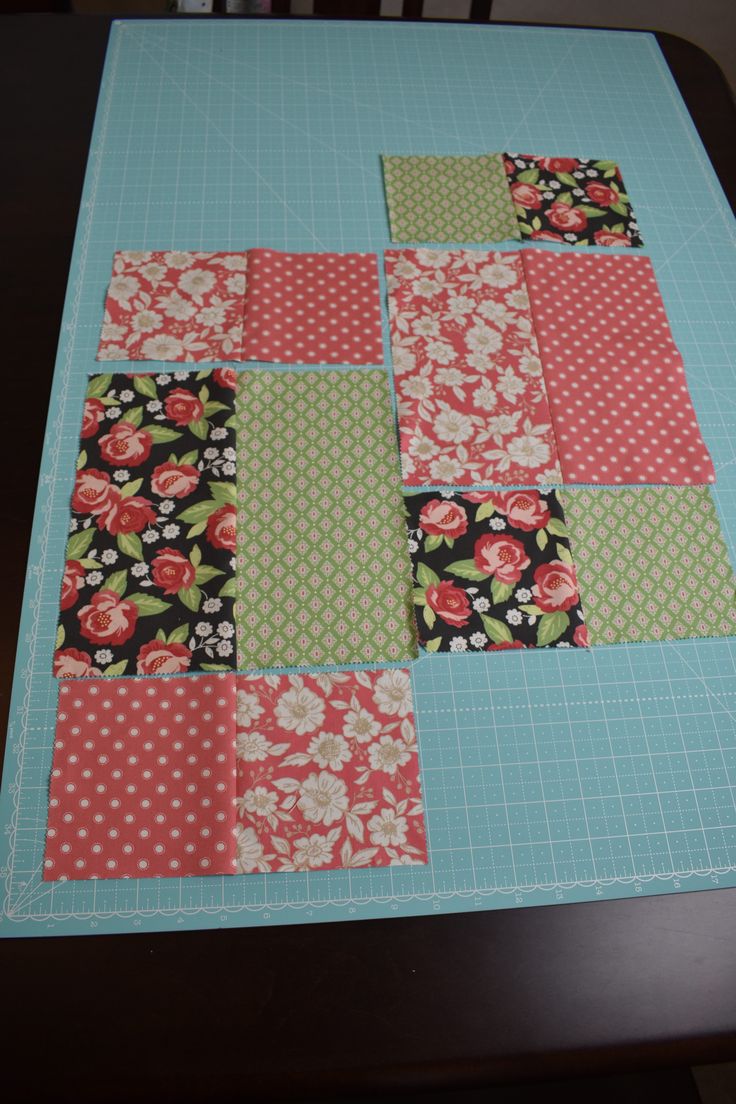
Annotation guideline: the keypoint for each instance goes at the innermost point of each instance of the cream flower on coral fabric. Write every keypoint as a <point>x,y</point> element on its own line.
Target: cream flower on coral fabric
<point>392,693</point>
<point>528,451</point>
<point>323,799</point>
<point>311,851</point>
<point>260,801</point>
<point>360,725</point>
<point>452,425</point>
<point>387,829</point>
<point>196,281</point>
<point>123,288</point>
<point>300,710</point>
<point>247,707</point>
<point>388,755</point>
<point>162,347</point>
<point>252,746</point>
<point>249,851</point>
<point>329,750</point>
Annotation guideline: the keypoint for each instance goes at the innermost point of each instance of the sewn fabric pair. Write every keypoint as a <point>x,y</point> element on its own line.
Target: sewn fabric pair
<point>225,774</point>
<point>297,308</point>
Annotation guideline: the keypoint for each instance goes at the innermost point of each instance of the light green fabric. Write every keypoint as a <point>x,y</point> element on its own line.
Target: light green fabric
<point>323,572</point>
<point>651,563</point>
<point>449,199</point>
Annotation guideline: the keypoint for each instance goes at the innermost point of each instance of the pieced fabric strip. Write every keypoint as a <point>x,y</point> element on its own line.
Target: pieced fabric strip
<point>296,308</point>
<point>225,774</point>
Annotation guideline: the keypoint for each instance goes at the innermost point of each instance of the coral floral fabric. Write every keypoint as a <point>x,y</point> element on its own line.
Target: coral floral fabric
<point>493,570</point>
<point>311,308</point>
<point>615,378</point>
<point>142,782</point>
<point>472,402</point>
<point>328,772</point>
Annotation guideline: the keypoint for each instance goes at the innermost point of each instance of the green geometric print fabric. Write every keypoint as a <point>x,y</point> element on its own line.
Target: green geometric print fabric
<point>652,564</point>
<point>323,571</point>
<point>449,199</point>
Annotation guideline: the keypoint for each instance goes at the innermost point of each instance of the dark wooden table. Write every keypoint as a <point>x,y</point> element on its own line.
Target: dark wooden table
<point>331,1009</point>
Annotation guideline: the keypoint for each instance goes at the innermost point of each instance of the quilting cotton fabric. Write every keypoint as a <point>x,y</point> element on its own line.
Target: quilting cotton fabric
<point>149,578</point>
<point>652,563</point>
<point>472,402</point>
<point>323,575</point>
<point>493,570</point>
<point>448,199</point>
<point>616,381</point>
<point>571,200</point>
<point>142,781</point>
<point>327,772</point>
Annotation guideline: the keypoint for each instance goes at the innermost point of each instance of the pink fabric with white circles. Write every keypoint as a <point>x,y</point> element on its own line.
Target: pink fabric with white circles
<point>143,779</point>
<point>313,308</point>
<point>615,379</point>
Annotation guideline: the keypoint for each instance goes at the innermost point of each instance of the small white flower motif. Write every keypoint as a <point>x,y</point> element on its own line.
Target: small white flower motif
<point>413,546</point>
<point>446,469</point>
<point>361,725</point>
<point>578,175</point>
<point>167,506</point>
<point>171,531</point>
<point>392,693</point>
<point>127,396</point>
<point>121,475</point>
<point>514,616</point>
<point>219,433</point>
<point>328,749</point>
<point>481,605</point>
<point>181,376</point>
<point>458,644</point>
<point>554,184</point>
<point>253,747</point>
<point>228,468</point>
<point>591,172</point>
<point>523,595</point>
<point>497,523</point>
<point>163,380</point>
<point>571,237</point>
<point>478,640</point>
<point>225,629</point>
<point>94,578</point>
<point>388,755</point>
<point>73,525</point>
<point>229,453</point>
<point>153,406</point>
<point>109,556</point>
<point>300,710</point>
<point>519,163</point>
<point>563,644</point>
<point>225,648</point>
<point>387,829</point>
<point>578,192</point>
<point>103,656</point>
<point>211,454</point>
<point>113,412</point>
<point>548,195</point>
<point>260,801</point>
<point>150,536</point>
<point>203,628</point>
<point>212,605</point>
<point>138,570</point>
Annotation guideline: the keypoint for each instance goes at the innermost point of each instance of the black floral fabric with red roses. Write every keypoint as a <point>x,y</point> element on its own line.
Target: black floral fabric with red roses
<point>493,570</point>
<point>149,579</point>
<point>566,199</point>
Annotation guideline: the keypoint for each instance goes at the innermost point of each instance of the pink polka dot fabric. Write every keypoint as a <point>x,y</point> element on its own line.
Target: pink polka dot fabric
<point>143,779</point>
<point>313,308</point>
<point>615,379</point>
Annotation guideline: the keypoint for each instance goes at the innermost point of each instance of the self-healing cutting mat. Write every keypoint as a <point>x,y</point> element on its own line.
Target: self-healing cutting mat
<point>548,775</point>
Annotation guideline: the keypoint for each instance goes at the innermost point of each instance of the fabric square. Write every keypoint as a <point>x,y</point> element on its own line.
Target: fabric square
<point>493,570</point>
<point>142,782</point>
<point>174,305</point>
<point>149,579</point>
<point>472,402</point>
<point>652,563</point>
<point>327,772</point>
<point>448,199</point>
<point>313,308</point>
<point>323,574</point>
<point>615,378</point>
<point>571,200</point>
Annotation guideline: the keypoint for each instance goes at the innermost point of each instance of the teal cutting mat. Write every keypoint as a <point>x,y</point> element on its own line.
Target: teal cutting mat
<point>551,775</point>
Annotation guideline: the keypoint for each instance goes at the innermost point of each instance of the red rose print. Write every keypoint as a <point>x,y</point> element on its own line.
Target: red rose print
<point>444,519</point>
<point>610,237</point>
<point>174,480</point>
<point>128,515</point>
<point>221,528</point>
<point>125,445</point>
<point>71,583</point>
<point>504,557</point>
<point>555,586</point>
<point>567,218</point>
<point>71,663</point>
<point>226,377</point>
<point>108,619</point>
<point>505,644</point>
<point>580,637</point>
<point>558,164</point>
<point>478,496</point>
<point>546,235</point>
<point>601,194</point>
<point>510,167</point>
<point>526,195</point>
<point>172,571</point>
<point>157,658</point>
<point>525,509</point>
<point>450,603</point>
<point>182,407</point>
<point>94,412</point>
<point>93,492</point>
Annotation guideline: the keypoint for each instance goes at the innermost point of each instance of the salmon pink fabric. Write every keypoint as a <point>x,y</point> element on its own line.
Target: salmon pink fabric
<point>615,378</point>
